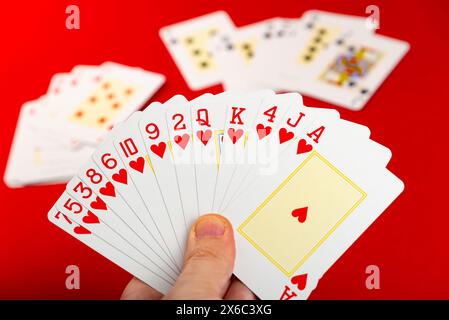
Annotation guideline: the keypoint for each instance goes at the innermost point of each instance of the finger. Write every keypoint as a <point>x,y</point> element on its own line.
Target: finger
<point>238,291</point>
<point>138,290</point>
<point>209,260</point>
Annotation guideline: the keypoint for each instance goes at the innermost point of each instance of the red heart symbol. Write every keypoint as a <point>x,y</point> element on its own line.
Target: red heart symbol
<point>182,140</point>
<point>235,135</point>
<point>81,230</point>
<point>159,149</point>
<point>98,204</point>
<point>300,213</point>
<point>263,131</point>
<point>108,190</point>
<point>204,136</point>
<point>121,176</point>
<point>138,164</point>
<point>285,135</point>
<point>90,218</point>
<point>300,281</point>
<point>303,147</point>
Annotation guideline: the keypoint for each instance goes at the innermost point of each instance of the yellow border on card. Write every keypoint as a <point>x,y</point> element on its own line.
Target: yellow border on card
<point>217,146</point>
<point>147,158</point>
<point>289,273</point>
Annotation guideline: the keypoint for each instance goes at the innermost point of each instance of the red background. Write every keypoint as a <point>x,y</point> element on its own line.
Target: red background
<point>409,114</point>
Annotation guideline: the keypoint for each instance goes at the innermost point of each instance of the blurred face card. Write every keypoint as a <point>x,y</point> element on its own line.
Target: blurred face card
<point>350,72</point>
<point>319,29</point>
<point>297,51</point>
<point>188,41</point>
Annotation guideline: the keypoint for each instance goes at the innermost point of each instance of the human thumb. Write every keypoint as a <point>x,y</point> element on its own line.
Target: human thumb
<point>208,262</point>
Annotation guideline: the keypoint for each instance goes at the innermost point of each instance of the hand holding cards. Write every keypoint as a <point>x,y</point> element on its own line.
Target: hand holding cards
<point>299,185</point>
<point>333,57</point>
<point>58,131</point>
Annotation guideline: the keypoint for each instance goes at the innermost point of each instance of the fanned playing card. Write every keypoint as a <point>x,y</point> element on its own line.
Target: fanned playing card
<point>299,185</point>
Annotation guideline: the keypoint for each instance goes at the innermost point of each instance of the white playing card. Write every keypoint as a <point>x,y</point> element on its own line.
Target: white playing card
<point>98,99</point>
<point>377,154</point>
<point>153,128</point>
<point>240,114</point>
<point>295,121</point>
<point>129,144</point>
<point>36,156</point>
<point>187,43</point>
<point>349,73</point>
<point>235,51</point>
<point>261,151</point>
<point>297,50</point>
<point>318,188</point>
<point>93,178</point>
<point>207,116</point>
<point>179,127</point>
<point>75,211</point>
<point>62,91</point>
<point>117,221</point>
<point>121,258</point>
<point>109,162</point>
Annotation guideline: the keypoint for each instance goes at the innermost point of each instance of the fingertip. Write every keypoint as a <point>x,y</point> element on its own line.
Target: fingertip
<point>209,260</point>
<point>211,225</point>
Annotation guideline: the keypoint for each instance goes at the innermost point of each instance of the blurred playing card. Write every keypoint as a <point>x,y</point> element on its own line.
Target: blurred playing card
<point>187,42</point>
<point>330,56</point>
<point>59,131</point>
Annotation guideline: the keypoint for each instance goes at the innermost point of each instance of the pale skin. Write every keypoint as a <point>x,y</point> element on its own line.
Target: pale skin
<point>207,270</point>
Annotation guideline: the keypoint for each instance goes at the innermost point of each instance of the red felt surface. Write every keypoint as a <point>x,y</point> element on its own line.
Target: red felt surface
<point>409,114</point>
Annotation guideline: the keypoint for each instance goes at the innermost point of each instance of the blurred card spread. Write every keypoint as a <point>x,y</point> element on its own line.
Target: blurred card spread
<point>299,185</point>
<point>60,130</point>
<point>333,57</point>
